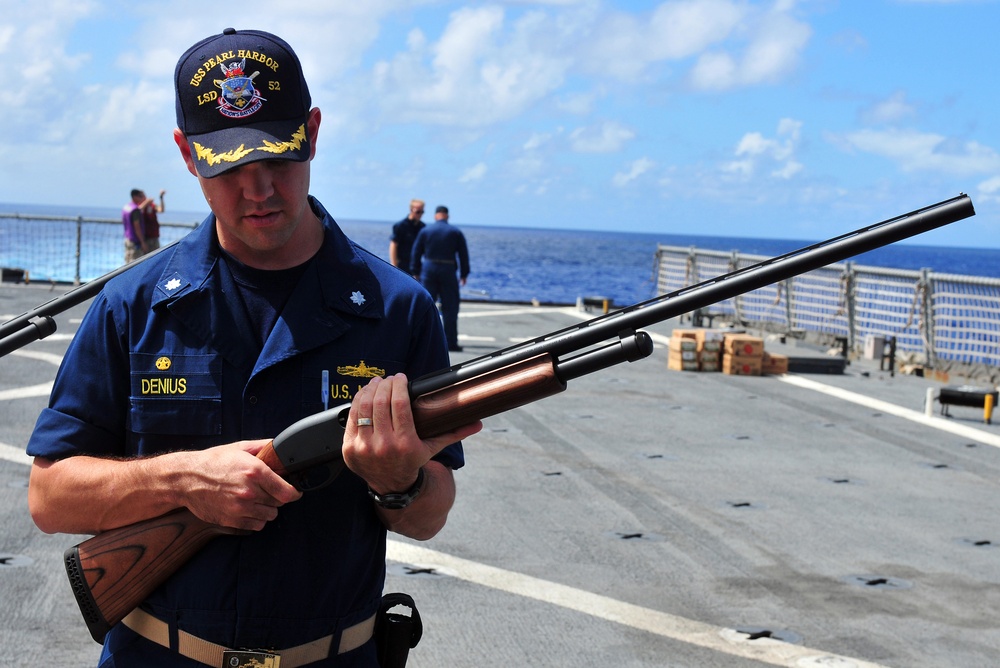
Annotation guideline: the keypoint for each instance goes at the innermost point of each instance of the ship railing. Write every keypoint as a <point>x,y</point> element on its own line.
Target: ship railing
<point>68,249</point>
<point>937,319</point>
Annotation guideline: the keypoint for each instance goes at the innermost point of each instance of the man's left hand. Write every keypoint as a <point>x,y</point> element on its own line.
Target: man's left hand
<point>388,453</point>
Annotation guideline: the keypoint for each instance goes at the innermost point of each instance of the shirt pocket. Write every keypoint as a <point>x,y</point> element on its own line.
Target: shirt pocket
<point>176,394</point>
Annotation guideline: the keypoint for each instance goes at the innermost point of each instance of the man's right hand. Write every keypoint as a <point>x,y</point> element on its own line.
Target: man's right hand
<point>230,487</point>
<point>225,485</point>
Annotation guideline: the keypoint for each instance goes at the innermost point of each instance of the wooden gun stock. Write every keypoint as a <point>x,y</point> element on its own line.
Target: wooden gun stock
<point>113,572</point>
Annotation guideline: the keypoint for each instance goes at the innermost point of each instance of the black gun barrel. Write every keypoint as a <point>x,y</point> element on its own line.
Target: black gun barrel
<point>625,321</point>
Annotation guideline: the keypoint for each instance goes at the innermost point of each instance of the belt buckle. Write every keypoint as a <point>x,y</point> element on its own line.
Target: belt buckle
<point>247,658</point>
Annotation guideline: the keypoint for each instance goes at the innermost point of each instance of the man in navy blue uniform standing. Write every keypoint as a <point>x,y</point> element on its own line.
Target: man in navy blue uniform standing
<point>404,233</point>
<point>439,250</point>
<point>186,365</point>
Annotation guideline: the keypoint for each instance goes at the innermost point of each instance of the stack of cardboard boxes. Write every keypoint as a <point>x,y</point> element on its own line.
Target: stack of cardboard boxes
<point>710,349</point>
<point>774,364</point>
<point>683,355</point>
<point>716,350</point>
<point>742,355</point>
<point>695,350</point>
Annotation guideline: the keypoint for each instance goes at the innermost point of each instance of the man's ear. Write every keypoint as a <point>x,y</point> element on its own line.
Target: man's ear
<point>312,130</point>
<point>182,144</point>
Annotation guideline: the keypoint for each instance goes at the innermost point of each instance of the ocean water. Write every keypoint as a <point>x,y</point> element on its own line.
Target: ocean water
<point>509,264</point>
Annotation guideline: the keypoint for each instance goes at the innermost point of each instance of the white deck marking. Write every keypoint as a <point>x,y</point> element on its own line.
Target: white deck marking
<point>962,430</point>
<point>51,358</point>
<point>715,638</point>
<point>965,431</point>
<point>489,313</point>
<point>40,390</point>
<point>477,339</point>
<point>16,455</point>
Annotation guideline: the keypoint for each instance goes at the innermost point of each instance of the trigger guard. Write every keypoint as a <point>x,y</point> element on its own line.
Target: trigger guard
<point>315,477</point>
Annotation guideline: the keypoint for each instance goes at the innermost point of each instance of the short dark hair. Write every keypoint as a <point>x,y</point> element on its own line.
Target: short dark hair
<point>136,192</point>
<point>441,209</point>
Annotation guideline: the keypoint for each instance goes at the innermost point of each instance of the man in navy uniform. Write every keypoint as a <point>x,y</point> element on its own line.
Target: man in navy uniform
<point>439,251</point>
<point>404,233</point>
<point>187,364</point>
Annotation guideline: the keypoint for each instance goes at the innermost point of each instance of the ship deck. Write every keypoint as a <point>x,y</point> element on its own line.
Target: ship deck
<point>643,517</point>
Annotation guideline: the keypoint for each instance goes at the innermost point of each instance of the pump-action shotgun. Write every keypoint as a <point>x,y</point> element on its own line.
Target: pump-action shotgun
<point>114,571</point>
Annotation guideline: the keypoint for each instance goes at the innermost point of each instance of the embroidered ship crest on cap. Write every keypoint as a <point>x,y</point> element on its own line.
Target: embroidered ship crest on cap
<point>239,98</point>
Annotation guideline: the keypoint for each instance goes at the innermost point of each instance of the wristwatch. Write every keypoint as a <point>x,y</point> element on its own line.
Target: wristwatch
<point>399,500</point>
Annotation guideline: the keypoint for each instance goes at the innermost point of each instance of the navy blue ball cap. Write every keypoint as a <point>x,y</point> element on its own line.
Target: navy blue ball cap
<point>241,97</point>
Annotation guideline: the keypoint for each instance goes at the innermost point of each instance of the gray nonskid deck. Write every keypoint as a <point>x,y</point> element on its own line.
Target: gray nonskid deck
<point>648,517</point>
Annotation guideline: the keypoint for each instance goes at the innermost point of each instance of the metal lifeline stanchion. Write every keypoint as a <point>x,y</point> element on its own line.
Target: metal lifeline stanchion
<point>929,402</point>
<point>79,249</point>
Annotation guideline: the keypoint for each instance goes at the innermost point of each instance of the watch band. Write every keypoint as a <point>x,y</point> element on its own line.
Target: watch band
<point>399,500</point>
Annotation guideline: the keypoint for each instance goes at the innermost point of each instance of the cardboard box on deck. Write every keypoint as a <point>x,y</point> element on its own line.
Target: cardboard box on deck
<point>741,365</point>
<point>743,345</point>
<point>709,360</point>
<point>683,360</point>
<point>683,344</point>
<point>710,340</point>
<point>686,355</point>
<point>706,339</point>
<point>773,363</point>
<point>704,344</point>
<point>683,340</point>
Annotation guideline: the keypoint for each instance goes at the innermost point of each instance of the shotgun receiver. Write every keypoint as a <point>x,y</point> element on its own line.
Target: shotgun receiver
<point>114,571</point>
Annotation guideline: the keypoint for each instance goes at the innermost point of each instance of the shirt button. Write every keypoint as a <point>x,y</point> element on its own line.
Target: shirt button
<point>253,400</point>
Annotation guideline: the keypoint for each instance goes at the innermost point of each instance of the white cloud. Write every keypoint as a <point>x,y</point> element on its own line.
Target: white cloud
<point>892,109</point>
<point>609,137</point>
<point>33,36</point>
<point>624,45</point>
<point>989,190</point>
<point>486,67</point>
<point>479,72</point>
<point>788,170</point>
<point>754,149</point>
<point>715,71</point>
<point>536,141</point>
<point>915,151</point>
<point>636,169</point>
<point>126,108</point>
<point>743,168</point>
<point>774,51</point>
<point>7,33</point>
<point>102,107</point>
<point>577,103</point>
<point>753,144</point>
<point>474,173</point>
<point>774,41</point>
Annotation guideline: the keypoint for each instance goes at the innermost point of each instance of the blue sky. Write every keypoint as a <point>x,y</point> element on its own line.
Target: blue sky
<point>786,119</point>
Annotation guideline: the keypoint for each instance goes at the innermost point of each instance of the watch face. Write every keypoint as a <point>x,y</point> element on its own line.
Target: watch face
<point>393,501</point>
<point>399,500</point>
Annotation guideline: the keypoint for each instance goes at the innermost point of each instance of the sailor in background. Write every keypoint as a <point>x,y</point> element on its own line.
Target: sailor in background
<point>439,251</point>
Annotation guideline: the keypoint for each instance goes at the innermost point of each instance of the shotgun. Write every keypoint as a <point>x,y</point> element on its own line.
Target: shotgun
<point>113,572</point>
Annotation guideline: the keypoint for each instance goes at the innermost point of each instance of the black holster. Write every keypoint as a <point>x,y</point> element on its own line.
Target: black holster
<point>396,633</point>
